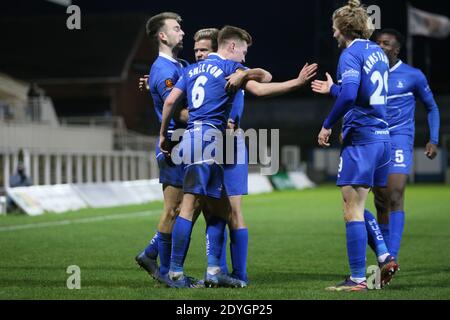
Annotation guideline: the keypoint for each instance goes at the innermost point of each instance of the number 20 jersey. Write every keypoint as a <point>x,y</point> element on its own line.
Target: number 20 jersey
<point>365,64</point>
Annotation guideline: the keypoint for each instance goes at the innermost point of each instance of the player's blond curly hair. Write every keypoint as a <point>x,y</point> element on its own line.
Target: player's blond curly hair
<point>353,21</point>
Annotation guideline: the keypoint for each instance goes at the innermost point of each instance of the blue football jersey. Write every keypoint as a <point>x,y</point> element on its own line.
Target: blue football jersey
<point>164,74</point>
<point>204,84</point>
<point>405,85</point>
<point>365,64</point>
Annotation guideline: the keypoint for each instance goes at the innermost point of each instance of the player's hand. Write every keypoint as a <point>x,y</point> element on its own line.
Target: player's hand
<point>231,125</point>
<point>182,115</point>
<point>307,73</point>
<point>164,145</point>
<point>324,138</point>
<point>431,150</point>
<point>322,87</point>
<point>143,83</point>
<point>235,81</point>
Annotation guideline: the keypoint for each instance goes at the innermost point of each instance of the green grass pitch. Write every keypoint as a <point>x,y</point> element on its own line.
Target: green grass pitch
<point>296,249</point>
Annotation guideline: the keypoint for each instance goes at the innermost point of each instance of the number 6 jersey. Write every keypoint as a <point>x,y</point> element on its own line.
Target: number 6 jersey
<point>204,84</point>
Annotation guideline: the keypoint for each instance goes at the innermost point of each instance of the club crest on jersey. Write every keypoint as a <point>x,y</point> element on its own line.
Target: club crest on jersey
<point>400,84</point>
<point>169,84</point>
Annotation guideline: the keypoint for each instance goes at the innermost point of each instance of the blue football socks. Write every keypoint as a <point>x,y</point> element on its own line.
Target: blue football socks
<point>215,230</point>
<point>239,251</point>
<point>396,224</point>
<point>181,236</point>
<point>164,249</point>
<point>356,248</point>
<point>374,235</point>
<point>152,249</point>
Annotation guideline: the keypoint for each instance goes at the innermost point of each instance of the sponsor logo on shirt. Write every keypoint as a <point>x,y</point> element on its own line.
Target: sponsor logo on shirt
<point>351,73</point>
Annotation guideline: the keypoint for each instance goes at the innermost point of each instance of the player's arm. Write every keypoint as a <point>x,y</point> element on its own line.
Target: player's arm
<point>278,88</point>
<point>259,75</point>
<point>347,96</point>
<point>343,104</point>
<point>425,94</point>
<point>238,78</point>
<point>174,98</point>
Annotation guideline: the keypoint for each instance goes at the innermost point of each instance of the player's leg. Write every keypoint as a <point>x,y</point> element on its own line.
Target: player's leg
<point>229,210</point>
<point>375,234</point>
<point>397,165</point>
<point>171,178</point>
<point>376,237</point>
<point>381,200</point>
<point>161,243</point>
<point>354,199</point>
<point>357,174</point>
<point>401,165</point>
<point>396,190</point>
<point>388,264</point>
<point>220,214</point>
<point>354,203</point>
<point>238,239</point>
<point>172,201</point>
<point>236,184</point>
<point>208,214</point>
<point>181,238</point>
<point>181,234</point>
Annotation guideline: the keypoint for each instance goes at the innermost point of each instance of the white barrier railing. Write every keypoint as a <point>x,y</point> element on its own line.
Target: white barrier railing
<point>52,167</point>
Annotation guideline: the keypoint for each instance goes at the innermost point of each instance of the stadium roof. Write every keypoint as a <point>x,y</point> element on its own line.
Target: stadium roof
<point>44,50</point>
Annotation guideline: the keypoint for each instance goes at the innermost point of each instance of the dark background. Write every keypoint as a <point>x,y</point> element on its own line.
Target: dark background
<point>286,34</point>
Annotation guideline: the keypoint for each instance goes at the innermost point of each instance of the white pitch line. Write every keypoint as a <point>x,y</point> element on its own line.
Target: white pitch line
<point>78,221</point>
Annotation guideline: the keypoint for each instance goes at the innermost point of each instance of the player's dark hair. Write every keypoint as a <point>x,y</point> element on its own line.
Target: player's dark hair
<point>353,21</point>
<point>230,32</point>
<point>400,38</point>
<point>155,23</point>
<point>208,34</point>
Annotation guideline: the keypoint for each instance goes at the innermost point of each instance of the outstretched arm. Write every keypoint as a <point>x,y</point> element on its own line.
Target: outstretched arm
<point>259,75</point>
<point>278,88</point>
<point>238,79</point>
